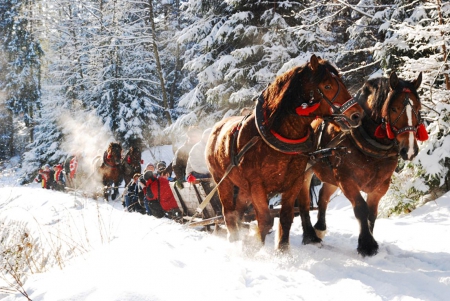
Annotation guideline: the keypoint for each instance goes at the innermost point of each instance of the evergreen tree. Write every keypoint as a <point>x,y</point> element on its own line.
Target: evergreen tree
<point>22,80</point>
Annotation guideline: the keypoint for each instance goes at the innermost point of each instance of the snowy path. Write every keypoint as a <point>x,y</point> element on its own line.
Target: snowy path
<point>151,259</point>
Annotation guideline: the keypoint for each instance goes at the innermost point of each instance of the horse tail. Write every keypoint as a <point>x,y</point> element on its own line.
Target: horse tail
<point>312,192</point>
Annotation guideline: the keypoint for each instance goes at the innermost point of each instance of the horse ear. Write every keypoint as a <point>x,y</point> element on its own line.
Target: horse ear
<point>314,63</point>
<point>393,80</point>
<point>418,81</point>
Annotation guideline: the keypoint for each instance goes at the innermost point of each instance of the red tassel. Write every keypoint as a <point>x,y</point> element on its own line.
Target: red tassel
<point>380,132</point>
<point>422,134</point>
<point>142,161</point>
<point>129,160</point>
<point>305,111</point>
<point>109,156</point>
<point>389,132</point>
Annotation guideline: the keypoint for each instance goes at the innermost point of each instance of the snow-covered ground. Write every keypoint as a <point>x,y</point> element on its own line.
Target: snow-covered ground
<point>93,250</point>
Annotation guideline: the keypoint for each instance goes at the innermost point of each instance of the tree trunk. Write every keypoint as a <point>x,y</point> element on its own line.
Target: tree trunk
<point>158,63</point>
<point>444,49</point>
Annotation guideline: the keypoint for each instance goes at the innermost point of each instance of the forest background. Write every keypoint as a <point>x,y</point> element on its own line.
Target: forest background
<point>75,74</point>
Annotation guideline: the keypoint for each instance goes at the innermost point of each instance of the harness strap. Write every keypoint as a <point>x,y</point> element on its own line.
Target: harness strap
<point>237,159</point>
<point>105,161</point>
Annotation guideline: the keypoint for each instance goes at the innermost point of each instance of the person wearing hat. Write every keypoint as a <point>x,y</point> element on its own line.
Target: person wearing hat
<point>45,177</point>
<point>59,181</point>
<point>131,194</point>
<point>150,185</point>
<point>141,185</point>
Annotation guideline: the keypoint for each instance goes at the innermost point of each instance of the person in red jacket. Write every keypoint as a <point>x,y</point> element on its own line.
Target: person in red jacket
<point>59,177</point>
<point>159,197</point>
<point>45,177</point>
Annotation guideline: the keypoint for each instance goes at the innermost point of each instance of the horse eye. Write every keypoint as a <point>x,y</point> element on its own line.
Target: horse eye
<point>394,110</point>
<point>328,87</point>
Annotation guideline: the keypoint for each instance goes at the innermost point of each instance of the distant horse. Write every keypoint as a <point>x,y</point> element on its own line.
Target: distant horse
<point>390,128</point>
<point>107,170</point>
<point>131,163</point>
<point>267,152</point>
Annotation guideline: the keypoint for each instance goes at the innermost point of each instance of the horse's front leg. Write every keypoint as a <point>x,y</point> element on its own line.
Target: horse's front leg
<point>373,199</point>
<point>367,246</point>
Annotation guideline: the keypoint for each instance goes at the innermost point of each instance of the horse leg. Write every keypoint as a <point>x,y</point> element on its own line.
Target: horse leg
<point>325,194</point>
<point>106,189</point>
<point>260,204</point>
<point>367,246</point>
<point>286,220</point>
<point>231,216</point>
<point>309,234</point>
<point>373,198</point>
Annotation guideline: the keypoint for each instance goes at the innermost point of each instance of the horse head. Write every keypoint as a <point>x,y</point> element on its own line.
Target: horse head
<point>114,154</point>
<point>315,89</point>
<point>400,116</point>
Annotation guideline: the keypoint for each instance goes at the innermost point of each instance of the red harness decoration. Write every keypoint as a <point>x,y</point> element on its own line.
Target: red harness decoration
<point>422,134</point>
<point>384,130</point>
<point>290,141</point>
<point>307,110</point>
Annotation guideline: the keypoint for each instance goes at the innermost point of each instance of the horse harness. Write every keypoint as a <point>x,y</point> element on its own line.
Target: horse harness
<point>388,128</point>
<point>309,142</point>
<point>363,140</point>
<point>107,162</point>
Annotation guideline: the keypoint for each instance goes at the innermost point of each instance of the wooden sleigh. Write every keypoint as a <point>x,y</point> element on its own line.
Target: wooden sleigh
<point>191,197</point>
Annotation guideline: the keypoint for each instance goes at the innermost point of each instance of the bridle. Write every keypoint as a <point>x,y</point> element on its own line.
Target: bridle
<point>108,160</point>
<point>388,128</point>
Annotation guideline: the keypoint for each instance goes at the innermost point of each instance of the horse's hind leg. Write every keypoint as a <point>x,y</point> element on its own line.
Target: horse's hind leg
<point>230,214</point>
<point>309,234</point>
<point>325,194</point>
<point>260,204</point>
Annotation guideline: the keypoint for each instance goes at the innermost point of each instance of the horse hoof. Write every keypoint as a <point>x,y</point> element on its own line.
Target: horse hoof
<point>233,237</point>
<point>320,233</point>
<point>368,249</point>
<point>311,240</point>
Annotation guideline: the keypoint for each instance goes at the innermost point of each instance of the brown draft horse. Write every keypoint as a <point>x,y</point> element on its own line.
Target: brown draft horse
<point>390,128</point>
<point>280,135</point>
<point>107,170</point>
<point>131,163</point>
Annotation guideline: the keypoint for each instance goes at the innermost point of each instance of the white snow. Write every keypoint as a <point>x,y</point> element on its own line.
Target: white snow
<point>96,251</point>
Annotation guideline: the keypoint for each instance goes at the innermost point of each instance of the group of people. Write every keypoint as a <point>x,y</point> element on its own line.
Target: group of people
<point>151,190</point>
<point>148,192</point>
<point>60,175</point>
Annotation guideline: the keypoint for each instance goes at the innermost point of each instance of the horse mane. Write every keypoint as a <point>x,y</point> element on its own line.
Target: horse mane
<point>287,91</point>
<point>113,144</point>
<point>380,90</point>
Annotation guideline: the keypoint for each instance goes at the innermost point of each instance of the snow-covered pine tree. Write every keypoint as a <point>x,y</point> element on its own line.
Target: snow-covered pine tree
<point>234,49</point>
<point>417,40</point>
<point>22,65</point>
